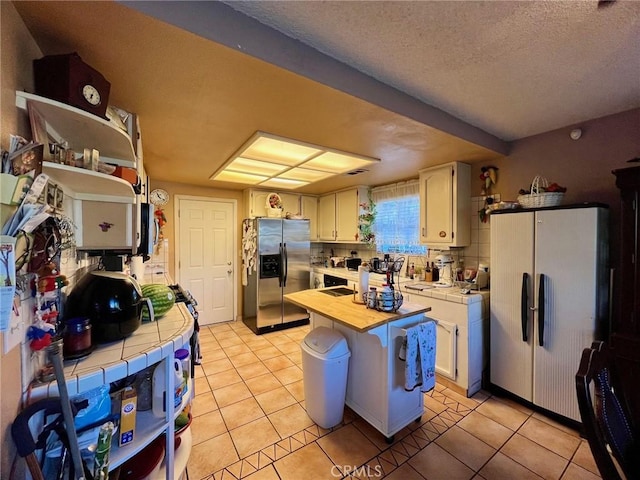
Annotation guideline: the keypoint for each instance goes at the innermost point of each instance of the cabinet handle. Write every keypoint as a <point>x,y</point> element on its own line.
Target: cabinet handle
<point>541,311</point>
<point>524,304</point>
<point>423,231</point>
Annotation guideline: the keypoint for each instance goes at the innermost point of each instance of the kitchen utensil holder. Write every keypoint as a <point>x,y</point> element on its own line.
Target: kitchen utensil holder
<point>383,305</point>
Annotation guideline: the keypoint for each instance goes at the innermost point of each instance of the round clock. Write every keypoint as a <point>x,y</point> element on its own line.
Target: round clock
<point>91,95</point>
<point>159,197</point>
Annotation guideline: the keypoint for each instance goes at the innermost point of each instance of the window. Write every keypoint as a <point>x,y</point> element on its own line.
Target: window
<point>397,223</point>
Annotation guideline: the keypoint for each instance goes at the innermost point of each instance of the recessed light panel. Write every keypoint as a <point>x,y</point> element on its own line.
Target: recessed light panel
<point>305,174</point>
<point>238,177</point>
<point>277,162</point>
<point>256,167</point>
<point>283,183</point>
<point>280,151</point>
<point>336,162</point>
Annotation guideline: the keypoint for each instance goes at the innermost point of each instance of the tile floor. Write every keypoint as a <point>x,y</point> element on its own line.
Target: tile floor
<point>250,423</point>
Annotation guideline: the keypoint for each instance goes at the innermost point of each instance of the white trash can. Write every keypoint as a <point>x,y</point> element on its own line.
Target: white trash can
<point>325,363</point>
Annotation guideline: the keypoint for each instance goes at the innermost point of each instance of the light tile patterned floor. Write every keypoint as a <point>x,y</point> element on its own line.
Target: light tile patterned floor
<point>250,423</point>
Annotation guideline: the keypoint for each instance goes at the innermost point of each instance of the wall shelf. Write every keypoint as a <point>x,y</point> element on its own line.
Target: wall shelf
<point>81,129</point>
<point>89,185</point>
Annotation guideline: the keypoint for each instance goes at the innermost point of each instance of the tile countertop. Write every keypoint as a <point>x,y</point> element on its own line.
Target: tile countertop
<point>451,294</point>
<point>109,362</point>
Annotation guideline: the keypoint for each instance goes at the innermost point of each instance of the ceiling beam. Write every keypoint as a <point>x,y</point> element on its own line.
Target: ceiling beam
<point>220,23</point>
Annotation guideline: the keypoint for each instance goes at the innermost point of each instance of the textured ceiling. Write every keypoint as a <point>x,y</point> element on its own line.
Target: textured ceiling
<point>512,68</point>
<point>204,77</point>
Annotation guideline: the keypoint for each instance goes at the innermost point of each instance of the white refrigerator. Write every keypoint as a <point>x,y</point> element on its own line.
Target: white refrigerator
<point>549,300</point>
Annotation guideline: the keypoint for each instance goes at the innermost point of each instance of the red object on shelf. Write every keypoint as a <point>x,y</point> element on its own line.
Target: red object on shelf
<point>144,463</point>
<point>126,173</point>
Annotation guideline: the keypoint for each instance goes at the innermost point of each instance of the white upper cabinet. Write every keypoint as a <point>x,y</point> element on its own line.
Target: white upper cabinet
<point>327,217</point>
<point>309,209</point>
<point>338,215</point>
<point>256,202</point>
<point>445,205</point>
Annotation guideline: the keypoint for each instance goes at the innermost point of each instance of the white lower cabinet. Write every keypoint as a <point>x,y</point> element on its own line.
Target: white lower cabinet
<point>375,381</point>
<point>460,352</point>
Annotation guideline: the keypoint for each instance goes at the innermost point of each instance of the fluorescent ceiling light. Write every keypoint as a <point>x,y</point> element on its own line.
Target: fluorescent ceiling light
<point>337,162</point>
<point>306,174</point>
<point>238,177</point>
<point>276,162</point>
<point>258,167</point>
<point>282,183</point>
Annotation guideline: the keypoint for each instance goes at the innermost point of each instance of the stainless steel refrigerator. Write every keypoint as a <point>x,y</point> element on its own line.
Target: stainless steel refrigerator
<point>282,256</point>
<point>549,300</point>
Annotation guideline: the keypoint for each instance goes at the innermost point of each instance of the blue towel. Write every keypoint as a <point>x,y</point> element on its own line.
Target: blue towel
<point>419,351</point>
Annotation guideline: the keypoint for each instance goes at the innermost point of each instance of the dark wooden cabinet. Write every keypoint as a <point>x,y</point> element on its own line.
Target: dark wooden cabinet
<point>625,339</point>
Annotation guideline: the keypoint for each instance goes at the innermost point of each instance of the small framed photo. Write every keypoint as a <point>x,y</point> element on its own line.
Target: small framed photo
<point>51,194</point>
<point>59,198</point>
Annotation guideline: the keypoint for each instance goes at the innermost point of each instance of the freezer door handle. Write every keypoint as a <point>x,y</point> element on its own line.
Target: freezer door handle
<point>524,305</point>
<point>541,311</point>
<point>286,266</point>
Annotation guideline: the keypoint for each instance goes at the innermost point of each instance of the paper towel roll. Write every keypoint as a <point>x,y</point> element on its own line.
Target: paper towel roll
<point>137,268</point>
<point>363,282</point>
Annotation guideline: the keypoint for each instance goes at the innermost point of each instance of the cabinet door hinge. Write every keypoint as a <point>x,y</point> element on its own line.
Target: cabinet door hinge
<point>452,235</point>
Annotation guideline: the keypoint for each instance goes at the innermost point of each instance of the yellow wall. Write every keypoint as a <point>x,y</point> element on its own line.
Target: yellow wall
<point>17,52</point>
<point>169,229</point>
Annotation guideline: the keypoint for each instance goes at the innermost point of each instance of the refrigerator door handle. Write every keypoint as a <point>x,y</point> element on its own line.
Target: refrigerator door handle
<point>541,311</point>
<point>280,270</point>
<point>286,266</point>
<point>524,305</point>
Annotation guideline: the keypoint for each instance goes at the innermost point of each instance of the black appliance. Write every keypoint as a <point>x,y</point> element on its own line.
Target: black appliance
<point>331,281</point>
<point>184,296</point>
<point>353,263</point>
<point>111,300</point>
<point>149,229</point>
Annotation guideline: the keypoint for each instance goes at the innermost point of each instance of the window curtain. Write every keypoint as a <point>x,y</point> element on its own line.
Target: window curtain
<point>397,223</point>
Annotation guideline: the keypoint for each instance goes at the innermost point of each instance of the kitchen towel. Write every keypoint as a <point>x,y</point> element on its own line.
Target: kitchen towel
<point>419,351</point>
<point>249,238</point>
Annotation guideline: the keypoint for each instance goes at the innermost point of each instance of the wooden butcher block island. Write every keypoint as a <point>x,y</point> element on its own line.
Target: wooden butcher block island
<point>375,381</point>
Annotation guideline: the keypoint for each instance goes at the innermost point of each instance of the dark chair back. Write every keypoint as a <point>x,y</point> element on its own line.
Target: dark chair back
<point>604,418</point>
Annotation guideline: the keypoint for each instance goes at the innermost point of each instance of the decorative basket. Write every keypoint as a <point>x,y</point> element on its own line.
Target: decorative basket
<point>538,198</point>
<point>380,304</point>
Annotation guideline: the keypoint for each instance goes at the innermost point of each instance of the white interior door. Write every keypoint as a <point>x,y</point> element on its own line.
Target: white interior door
<point>206,259</point>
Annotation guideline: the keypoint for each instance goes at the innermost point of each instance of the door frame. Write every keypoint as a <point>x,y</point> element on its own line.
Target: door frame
<point>176,259</point>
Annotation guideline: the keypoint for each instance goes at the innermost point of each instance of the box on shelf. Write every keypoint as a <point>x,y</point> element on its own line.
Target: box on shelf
<point>127,416</point>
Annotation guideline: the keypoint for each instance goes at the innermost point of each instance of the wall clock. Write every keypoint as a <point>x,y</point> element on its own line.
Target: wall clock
<point>68,79</point>
<point>159,197</point>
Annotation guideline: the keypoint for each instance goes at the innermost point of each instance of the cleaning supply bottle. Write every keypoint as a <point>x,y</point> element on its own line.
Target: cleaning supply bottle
<point>160,390</point>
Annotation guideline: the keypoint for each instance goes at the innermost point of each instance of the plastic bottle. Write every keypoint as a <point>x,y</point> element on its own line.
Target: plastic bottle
<point>183,355</point>
<point>428,273</point>
<point>159,387</point>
